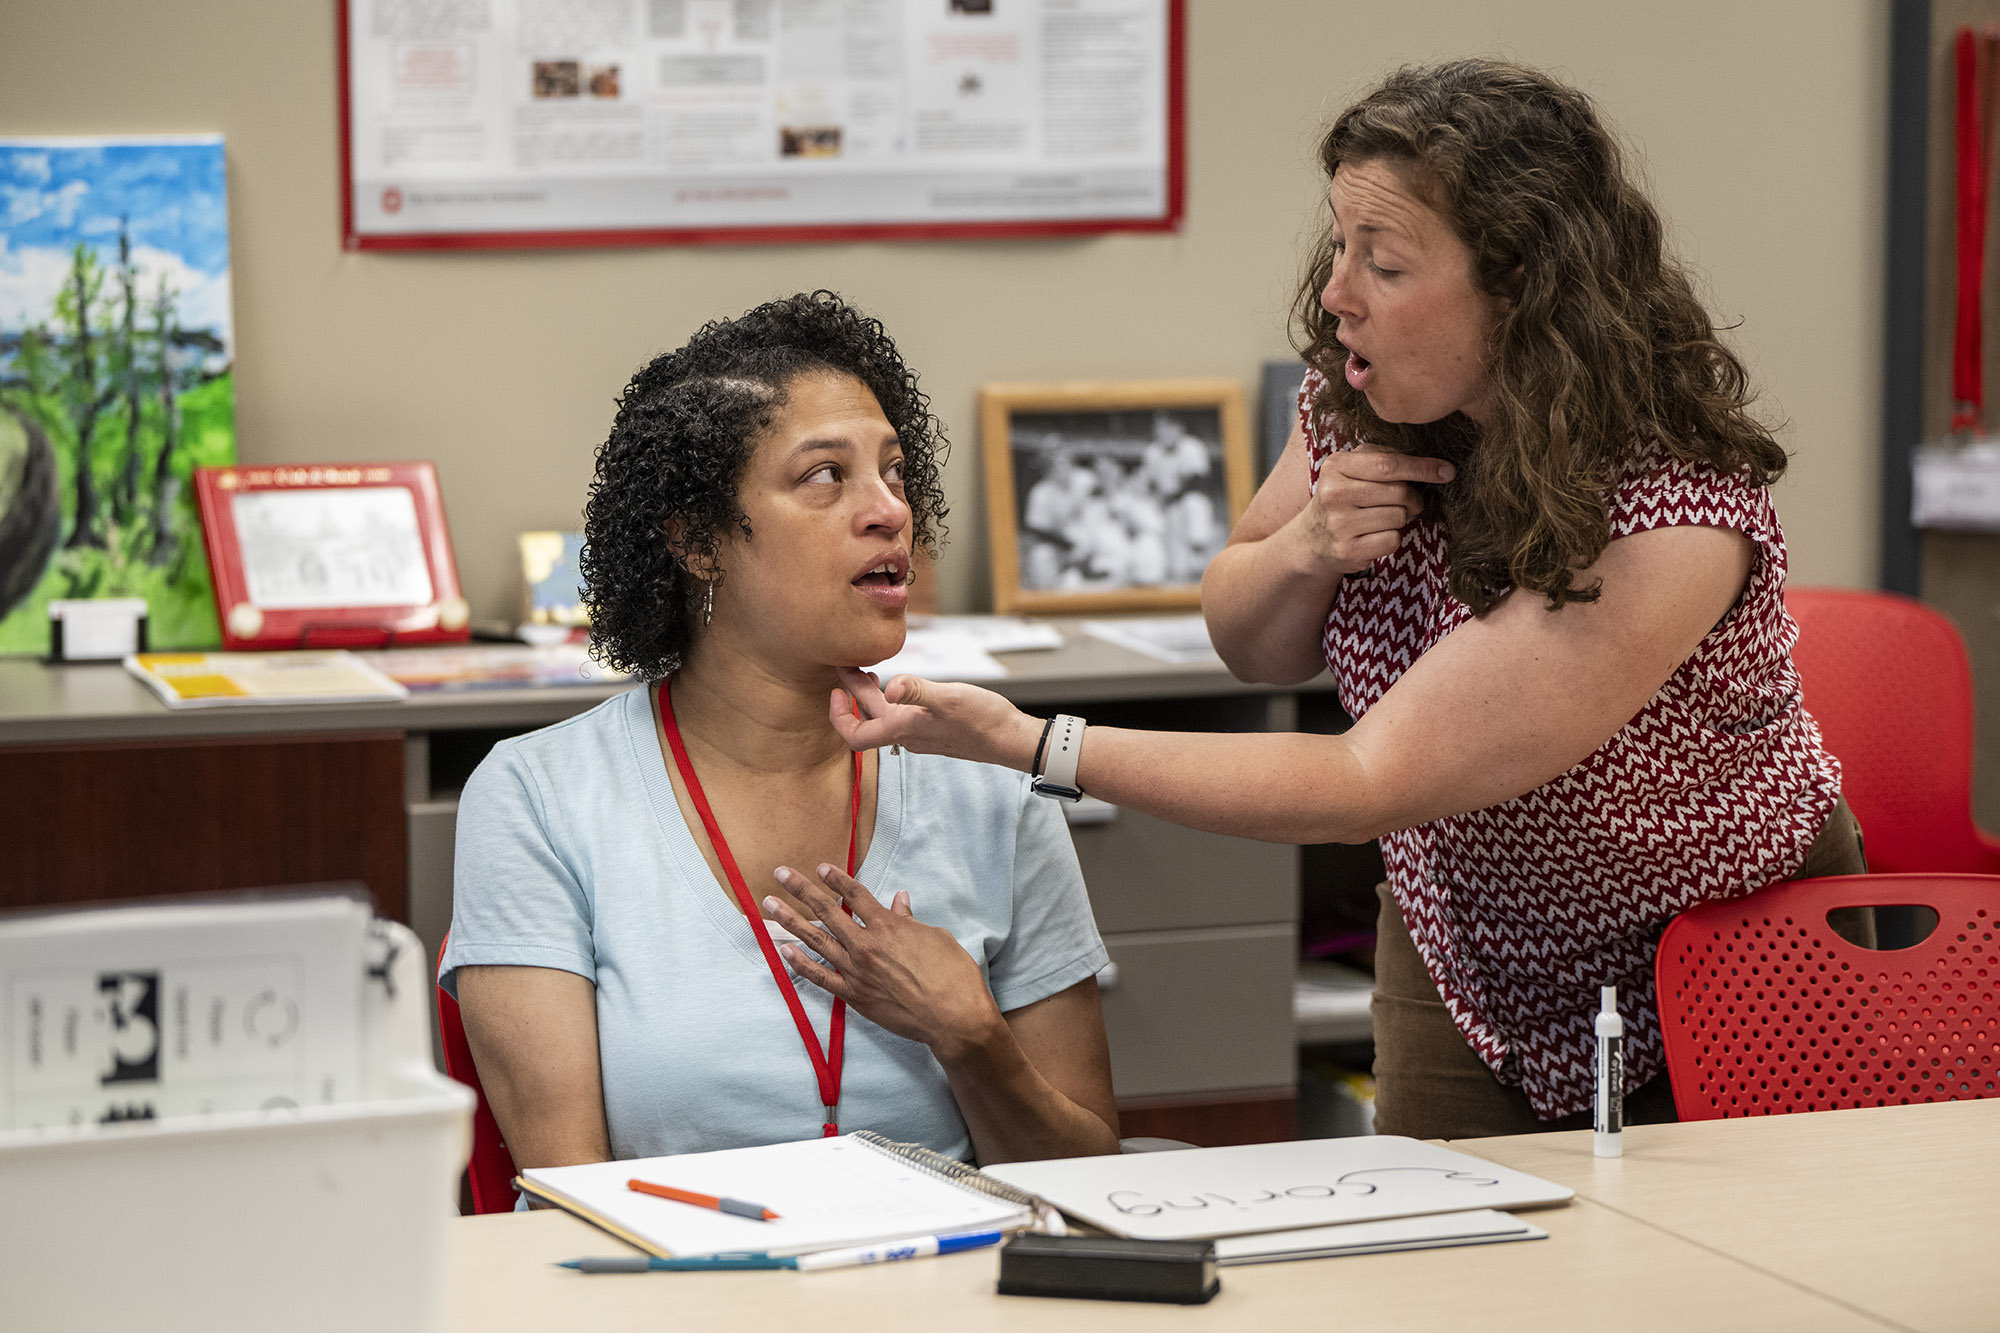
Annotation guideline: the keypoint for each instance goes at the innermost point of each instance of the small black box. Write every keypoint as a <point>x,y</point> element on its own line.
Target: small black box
<point>1109,1268</point>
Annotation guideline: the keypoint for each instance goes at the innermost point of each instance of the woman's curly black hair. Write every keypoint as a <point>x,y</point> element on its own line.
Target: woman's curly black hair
<point>684,433</point>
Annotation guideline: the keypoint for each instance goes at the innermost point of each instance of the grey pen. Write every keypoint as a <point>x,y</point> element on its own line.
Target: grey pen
<point>712,1263</point>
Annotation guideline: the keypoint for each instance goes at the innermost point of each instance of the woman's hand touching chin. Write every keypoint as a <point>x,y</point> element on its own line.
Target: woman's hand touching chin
<point>930,717</point>
<point>914,980</point>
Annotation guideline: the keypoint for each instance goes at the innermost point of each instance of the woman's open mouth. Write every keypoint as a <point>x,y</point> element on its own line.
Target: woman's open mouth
<point>887,582</point>
<point>1360,371</point>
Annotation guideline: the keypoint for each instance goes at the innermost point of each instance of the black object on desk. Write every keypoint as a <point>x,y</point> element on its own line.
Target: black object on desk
<point>1109,1268</point>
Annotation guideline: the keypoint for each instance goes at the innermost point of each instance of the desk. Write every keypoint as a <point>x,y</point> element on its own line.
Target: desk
<point>1891,1210</point>
<point>1839,1220</point>
<point>106,792</point>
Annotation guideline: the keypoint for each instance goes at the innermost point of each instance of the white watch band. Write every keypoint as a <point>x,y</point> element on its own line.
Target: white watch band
<point>1059,757</point>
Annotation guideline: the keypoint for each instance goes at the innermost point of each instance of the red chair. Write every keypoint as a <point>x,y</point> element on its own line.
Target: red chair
<point>1888,681</point>
<point>1766,1010</point>
<point>491,1171</point>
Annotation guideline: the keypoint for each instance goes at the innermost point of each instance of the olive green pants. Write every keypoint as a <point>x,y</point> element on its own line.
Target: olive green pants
<point>1431,1084</point>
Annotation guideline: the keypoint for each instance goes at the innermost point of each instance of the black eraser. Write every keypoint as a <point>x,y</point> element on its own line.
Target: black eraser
<point>1109,1268</point>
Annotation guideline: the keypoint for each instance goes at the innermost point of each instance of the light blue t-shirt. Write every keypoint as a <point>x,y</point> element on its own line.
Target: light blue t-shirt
<point>572,854</point>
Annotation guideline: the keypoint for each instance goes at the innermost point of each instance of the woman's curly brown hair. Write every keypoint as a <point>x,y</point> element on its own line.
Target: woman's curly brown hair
<point>1600,345</point>
<point>685,430</point>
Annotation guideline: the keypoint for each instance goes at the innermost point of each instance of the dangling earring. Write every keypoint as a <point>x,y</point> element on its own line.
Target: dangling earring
<point>708,604</point>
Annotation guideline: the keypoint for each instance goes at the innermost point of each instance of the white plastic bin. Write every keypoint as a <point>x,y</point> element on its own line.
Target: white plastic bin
<point>330,1218</point>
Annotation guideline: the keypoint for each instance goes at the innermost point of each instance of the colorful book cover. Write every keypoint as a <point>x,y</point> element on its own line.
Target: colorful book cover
<point>116,348</point>
<point>202,680</point>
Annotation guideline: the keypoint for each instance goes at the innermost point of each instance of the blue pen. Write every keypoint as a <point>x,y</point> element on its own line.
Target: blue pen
<point>916,1247</point>
<point>713,1263</point>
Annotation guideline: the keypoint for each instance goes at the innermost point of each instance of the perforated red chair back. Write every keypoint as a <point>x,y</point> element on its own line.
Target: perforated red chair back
<point>491,1172</point>
<point>1888,681</point>
<point>1766,1010</point>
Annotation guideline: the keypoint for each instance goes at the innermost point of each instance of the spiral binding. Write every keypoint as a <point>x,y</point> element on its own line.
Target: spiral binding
<point>932,1162</point>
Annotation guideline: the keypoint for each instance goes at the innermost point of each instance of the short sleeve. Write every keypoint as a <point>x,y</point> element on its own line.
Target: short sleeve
<point>516,899</point>
<point>1659,490</point>
<point>1053,943</point>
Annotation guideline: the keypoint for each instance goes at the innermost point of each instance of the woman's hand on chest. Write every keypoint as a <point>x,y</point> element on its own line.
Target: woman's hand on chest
<point>908,977</point>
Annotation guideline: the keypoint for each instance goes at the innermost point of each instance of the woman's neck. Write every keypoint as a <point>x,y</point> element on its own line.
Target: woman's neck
<point>763,720</point>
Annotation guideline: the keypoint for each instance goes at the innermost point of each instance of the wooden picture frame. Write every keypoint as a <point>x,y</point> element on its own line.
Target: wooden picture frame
<point>1110,496</point>
<point>338,555</point>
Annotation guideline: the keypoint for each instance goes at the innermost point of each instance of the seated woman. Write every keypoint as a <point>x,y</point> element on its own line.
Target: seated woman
<point>750,532</point>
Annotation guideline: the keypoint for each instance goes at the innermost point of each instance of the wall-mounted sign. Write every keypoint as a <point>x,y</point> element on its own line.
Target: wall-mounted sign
<point>620,122</point>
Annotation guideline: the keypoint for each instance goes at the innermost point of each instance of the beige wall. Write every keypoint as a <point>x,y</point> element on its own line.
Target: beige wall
<point>1761,126</point>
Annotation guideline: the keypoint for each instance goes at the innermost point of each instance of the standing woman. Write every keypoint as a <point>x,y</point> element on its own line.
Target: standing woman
<point>1525,522</point>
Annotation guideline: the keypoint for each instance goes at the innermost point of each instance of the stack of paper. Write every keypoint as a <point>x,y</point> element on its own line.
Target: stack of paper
<point>1433,1231</point>
<point>1178,640</point>
<point>962,647</point>
<point>993,634</point>
<point>204,680</point>
<point>491,667</point>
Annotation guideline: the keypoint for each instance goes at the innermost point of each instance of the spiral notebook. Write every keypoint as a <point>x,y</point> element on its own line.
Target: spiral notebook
<point>856,1189</point>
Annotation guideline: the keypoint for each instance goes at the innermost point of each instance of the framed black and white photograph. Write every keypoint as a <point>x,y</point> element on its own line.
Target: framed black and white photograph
<point>1110,496</point>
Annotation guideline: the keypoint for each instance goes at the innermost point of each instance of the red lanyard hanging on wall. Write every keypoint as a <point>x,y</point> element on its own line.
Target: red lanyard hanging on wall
<point>827,1062</point>
<point>1974,109</point>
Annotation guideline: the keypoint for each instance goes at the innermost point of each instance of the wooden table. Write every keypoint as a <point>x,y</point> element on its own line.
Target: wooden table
<point>1892,1211</point>
<point>1841,1220</point>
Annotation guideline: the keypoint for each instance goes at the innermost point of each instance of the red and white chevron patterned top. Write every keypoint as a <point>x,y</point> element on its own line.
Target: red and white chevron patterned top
<point>1716,788</point>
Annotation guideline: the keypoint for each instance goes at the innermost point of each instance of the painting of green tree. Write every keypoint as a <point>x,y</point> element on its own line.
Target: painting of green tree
<point>116,351</point>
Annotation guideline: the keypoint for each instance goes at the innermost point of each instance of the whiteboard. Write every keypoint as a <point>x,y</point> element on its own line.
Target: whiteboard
<point>1198,1193</point>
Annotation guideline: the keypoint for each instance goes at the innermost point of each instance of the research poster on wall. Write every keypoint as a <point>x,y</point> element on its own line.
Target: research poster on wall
<point>578,122</point>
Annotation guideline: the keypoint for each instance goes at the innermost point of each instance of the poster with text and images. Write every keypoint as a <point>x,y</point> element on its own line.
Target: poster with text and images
<point>494,122</point>
<point>116,350</point>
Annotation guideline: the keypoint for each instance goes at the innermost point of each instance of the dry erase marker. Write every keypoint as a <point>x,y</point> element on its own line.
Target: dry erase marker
<point>756,1212</point>
<point>916,1247</point>
<point>1608,1107</point>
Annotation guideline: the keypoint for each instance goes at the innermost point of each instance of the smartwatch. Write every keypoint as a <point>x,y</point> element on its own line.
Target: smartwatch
<point>1055,759</point>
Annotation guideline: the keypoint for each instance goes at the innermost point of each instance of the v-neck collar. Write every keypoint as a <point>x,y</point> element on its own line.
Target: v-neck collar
<point>683,853</point>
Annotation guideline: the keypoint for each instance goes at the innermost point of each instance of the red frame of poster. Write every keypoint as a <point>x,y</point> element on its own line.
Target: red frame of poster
<point>329,627</point>
<point>781,235</point>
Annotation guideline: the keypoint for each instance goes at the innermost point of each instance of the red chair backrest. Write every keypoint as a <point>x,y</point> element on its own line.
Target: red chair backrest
<point>491,1172</point>
<point>1887,679</point>
<point>1765,1009</point>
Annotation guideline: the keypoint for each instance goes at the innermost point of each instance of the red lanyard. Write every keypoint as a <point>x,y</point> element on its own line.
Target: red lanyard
<point>826,1063</point>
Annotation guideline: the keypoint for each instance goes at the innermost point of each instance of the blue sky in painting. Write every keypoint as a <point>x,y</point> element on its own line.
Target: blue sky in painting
<point>54,193</point>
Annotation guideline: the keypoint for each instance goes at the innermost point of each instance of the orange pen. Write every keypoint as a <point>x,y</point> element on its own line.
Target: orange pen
<point>737,1207</point>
